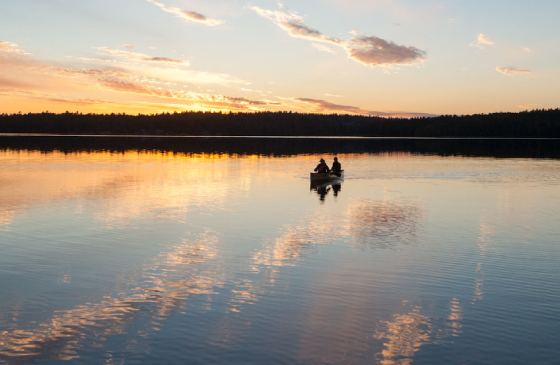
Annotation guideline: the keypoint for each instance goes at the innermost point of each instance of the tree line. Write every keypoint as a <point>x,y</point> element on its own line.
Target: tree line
<point>527,124</point>
<point>270,147</point>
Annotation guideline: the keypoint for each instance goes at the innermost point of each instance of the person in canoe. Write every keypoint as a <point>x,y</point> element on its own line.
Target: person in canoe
<point>322,167</point>
<point>336,167</point>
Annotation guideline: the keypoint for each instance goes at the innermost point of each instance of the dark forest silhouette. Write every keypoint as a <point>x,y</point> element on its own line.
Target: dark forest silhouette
<point>267,147</point>
<point>527,124</point>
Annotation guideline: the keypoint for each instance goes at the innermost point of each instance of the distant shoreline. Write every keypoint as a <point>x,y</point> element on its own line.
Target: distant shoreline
<point>269,137</point>
<point>539,124</point>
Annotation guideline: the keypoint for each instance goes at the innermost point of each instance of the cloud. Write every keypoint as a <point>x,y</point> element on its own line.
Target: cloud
<point>53,97</point>
<point>162,59</point>
<point>323,106</point>
<point>322,47</point>
<point>12,55</point>
<point>121,71</point>
<point>482,41</point>
<point>527,106</point>
<point>128,46</point>
<point>139,57</point>
<point>373,51</point>
<point>188,15</point>
<point>124,82</point>
<point>510,70</point>
<point>527,49</point>
<point>367,50</point>
<point>292,23</point>
<point>11,48</point>
<point>13,84</point>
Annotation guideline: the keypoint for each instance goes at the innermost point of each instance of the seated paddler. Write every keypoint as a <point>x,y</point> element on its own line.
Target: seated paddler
<point>336,167</point>
<point>322,167</point>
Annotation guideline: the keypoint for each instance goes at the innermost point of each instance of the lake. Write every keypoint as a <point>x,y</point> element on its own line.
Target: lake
<point>221,251</point>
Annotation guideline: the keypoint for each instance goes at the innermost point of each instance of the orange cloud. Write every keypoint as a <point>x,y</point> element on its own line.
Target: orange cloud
<point>8,47</point>
<point>527,106</point>
<point>510,70</point>
<point>130,78</point>
<point>7,83</point>
<point>482,41</point>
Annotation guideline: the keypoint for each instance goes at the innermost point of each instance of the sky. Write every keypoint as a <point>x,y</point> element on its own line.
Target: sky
<point>368,57</point>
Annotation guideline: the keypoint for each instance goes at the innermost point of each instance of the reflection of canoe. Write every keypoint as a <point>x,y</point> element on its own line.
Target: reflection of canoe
<point>315,176</point>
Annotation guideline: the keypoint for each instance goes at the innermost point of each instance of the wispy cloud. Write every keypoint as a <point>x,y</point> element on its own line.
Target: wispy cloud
<point>12,48</point>
<point>482,41</point>
<point>323,106</point>
<point>526,49</point>
<point>128,46</point>
<point>188,15</point>
<point>122,71</point>
<point>367,50</point>
<point>322,47</point>
<point>510,70</point>
<point>139,57</point>
<point>52,97</point>
<point>292,23</point>
<point>133,84</point>
<point>12,84</point>
<point>527,106</point>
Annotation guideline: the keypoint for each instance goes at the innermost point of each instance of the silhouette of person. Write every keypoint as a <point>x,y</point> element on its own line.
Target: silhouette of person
<point>322,191</point>
<point>336,188</point>
<point>322,167</point>
<point>336,167</point>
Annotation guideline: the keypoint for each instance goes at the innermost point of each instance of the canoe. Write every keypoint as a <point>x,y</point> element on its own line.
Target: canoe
<point>315,176</point>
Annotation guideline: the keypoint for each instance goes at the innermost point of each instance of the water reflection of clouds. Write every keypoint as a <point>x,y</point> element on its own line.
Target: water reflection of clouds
<point>377,224</point>
<point>298,238</point>
<point>484,243</point>
<point>455,318</point>
<point>385,223</point>
<point>164,286</point>
<point>405,334</point>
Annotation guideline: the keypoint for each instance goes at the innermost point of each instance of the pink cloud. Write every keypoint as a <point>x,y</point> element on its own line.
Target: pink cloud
<point>323,106</point>
<point>373,51</point>
<point>138,57</point>
<point>367,50</point>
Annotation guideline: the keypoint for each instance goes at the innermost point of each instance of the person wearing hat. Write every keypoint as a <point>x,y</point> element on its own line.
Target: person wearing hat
<point>336,167</point>
<point>322,167</point>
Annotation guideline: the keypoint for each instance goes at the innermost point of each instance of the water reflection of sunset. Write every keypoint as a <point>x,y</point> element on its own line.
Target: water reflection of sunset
<point>174,182</point>
<point>232,254</point>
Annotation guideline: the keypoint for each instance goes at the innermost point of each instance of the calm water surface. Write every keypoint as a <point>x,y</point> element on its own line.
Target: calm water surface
<point>144,257</point>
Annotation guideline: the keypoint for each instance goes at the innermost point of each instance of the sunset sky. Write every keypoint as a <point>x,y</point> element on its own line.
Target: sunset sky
<point>376,57</point>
